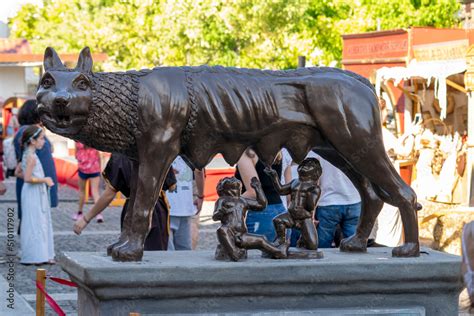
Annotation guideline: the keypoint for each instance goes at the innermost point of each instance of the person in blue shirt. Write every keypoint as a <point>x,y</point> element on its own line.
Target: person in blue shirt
<point>28,116</point>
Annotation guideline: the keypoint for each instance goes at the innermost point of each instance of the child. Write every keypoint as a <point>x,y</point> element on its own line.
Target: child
<point>37,245</point>
<point>305,194</point>
<point>88,162</point>
<point>231,209</point>
<point>28,115</point>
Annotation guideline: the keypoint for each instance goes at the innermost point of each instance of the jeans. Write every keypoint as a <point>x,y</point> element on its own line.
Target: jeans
<point>180,233</point>
<point>331,215</point>
<point>261,222</point>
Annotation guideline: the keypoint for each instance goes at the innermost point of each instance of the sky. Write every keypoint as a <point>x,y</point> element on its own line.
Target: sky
<point>8,8</point>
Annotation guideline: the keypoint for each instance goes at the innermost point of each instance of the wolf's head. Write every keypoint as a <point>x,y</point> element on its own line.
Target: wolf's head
<point>65,95</point>
<point>98,109</point>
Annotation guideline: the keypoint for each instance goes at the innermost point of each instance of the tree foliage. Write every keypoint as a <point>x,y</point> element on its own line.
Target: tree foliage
<point>405,13</point>
<point>244,33</point>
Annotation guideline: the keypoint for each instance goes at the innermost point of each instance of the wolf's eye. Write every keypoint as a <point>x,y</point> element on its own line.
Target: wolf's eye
<point>82,84</point>
<point>47,82</point>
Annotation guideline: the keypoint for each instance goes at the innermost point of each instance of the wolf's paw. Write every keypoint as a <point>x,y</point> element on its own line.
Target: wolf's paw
<point>111,247</point>
<point>353,244</point>
<point>409,249</point>
<point>128,251</point>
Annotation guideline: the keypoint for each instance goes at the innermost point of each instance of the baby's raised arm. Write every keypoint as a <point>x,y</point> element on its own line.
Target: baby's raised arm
<point>261,202</point>
<point>281,189</point>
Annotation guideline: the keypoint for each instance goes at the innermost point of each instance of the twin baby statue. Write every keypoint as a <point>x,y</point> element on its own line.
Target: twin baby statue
<point>231,209</point>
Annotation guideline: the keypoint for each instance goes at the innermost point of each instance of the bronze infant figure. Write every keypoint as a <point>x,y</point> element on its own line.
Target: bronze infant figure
<point>305,193</point>
<point>231,209</point>
<point>196,112</point>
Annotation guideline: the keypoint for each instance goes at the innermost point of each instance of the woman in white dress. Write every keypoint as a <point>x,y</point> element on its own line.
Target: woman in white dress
<point>37,245</point>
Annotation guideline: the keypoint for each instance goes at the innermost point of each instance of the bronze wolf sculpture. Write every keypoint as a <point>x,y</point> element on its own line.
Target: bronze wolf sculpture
<point>196,112</point>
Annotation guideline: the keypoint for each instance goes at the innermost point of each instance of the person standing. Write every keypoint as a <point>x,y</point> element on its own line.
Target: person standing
<point>117,175</point>
<point>37,245</point>
<point>28,116</point>
<point>339,206</point>
<point>13,124</point>
<point>3,188</point>
<point>88,165</point>
<point>340,203</point>
<point>467,267</point>
<point>182,207</point>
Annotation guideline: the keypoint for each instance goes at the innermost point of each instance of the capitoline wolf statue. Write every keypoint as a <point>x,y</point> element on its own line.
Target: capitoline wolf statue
<point>196,112</point>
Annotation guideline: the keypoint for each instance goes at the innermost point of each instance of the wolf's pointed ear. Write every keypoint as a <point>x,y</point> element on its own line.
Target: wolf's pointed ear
<point>51,60</point>
<point>84,64</point>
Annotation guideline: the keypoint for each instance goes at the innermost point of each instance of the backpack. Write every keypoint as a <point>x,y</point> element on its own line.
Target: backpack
<point>9,156</point>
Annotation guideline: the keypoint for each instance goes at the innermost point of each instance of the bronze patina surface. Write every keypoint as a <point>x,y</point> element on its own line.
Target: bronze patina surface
<point>304,196</point>
<point>196,112</point>
<point>231,209</point>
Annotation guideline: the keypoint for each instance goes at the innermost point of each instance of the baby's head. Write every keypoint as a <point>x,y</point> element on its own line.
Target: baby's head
<point>310,169</point>
<point>229,186</point>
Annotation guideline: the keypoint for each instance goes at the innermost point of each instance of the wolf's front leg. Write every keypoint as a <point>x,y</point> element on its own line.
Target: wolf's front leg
<point>127,221</point>
<point>152,170</point>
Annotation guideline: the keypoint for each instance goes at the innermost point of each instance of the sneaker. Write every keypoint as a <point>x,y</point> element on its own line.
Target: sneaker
<point>77,216</point>
<point>100,218</point>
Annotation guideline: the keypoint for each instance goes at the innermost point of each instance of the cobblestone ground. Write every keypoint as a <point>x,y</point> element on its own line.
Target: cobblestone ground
<point>96,237</point>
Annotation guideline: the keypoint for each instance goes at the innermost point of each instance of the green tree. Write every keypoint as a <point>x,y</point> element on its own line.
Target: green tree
<point>244,33</point>
<point>406,13</point>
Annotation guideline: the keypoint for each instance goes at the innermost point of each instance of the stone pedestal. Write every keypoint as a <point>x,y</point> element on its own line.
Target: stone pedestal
<point>195,283</point>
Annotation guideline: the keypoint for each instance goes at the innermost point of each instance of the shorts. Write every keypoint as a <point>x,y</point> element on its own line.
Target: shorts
<point>85,176</point>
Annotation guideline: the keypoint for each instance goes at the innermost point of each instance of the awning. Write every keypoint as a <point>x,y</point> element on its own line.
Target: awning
<point>437,70</point>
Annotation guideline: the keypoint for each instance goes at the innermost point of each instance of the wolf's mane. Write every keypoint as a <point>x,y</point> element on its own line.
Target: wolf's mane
<point>112,124</point>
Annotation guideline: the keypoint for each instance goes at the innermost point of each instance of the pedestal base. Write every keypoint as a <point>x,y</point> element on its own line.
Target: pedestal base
<point>222,255</point>
<point>196,283</point>
<point>300,253</point>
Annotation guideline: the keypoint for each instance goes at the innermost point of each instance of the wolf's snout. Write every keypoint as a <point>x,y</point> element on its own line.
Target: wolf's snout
<point>61,101</point>
<point>60,110</point>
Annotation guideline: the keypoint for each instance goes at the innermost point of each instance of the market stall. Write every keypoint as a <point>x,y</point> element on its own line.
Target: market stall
<point>437,115</point>
<point>419,74</point>
<point>425,76</point>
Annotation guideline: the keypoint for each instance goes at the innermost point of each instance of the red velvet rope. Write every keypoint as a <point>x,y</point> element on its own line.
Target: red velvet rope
<point>62,281</point>
<point>50,300</point>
